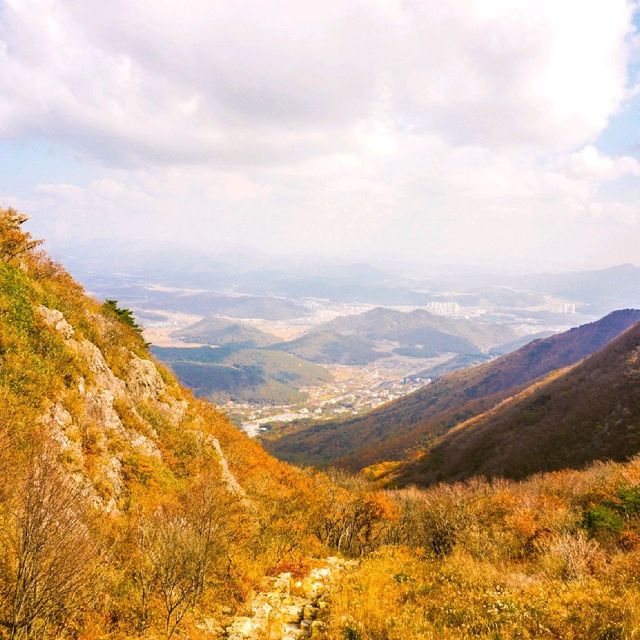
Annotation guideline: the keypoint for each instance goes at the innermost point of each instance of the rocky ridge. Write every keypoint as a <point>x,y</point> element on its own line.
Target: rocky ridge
<point>102,396</point>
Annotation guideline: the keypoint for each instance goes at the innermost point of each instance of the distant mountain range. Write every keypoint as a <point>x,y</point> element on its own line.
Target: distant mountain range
<point>369,336</point>
<point>595,292</point>
<point>254,366</point>
<point>600,289</point>
<point>413,421</point>
<point>358,339</point>
<point>436,333</point>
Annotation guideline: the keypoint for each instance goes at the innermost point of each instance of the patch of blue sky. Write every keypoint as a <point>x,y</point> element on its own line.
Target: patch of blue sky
<point>24,164</point>
<point>622,135</point>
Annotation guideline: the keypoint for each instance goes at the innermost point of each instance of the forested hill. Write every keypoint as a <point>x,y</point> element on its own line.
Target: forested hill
<point>568,420</point>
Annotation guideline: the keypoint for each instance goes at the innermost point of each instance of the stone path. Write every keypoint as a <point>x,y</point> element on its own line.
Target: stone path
<point>290,609</point>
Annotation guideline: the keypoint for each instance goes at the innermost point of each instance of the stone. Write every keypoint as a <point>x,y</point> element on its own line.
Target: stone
<point>104,377</point>
<point>291,613</point>
<point>242,627</point>
<point>317,629</point>
<point>55,319</point>
<point>113,473</point>
<point>292,632</point>
<point>145,445</point>
<point>262,609</point>
<point>144,380</point>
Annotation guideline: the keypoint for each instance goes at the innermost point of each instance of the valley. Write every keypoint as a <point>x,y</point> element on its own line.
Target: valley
<point>349,389</point>
<point>320,320</point>
<point>354,390</point>
<point>147,514</point>
<point>275,341</point>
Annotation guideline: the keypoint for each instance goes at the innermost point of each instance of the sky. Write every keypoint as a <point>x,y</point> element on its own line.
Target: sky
<point>489,132</point>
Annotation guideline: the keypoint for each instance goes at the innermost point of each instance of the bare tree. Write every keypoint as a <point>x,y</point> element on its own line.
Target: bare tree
<point>50,553</point>
<point>178,551</point>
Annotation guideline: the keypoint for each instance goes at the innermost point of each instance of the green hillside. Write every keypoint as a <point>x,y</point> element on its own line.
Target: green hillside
<point>331,347</point>
<point>243,375</point>
<point>219,332</point>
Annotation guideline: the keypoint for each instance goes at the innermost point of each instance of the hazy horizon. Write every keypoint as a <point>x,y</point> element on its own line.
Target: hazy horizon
<point>248,258</point>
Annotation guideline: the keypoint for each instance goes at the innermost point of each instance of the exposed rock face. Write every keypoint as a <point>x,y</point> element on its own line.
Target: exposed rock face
<point>110,413</point>
<point>231,481</point>
<point>144,381</point>
<point>288,609</point>
<point>104,377</point>
<point>99,394</point>
<point>61,424</point>
<point>55,319</point>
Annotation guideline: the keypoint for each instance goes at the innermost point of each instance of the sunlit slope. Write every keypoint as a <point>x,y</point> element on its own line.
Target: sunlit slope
<point>591,412</point>
<point>139,510</point>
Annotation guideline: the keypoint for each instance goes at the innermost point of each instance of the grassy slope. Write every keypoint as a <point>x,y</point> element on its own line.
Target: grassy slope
<point>386,433</point>
<point>141,451</point>
<point>555,556</point>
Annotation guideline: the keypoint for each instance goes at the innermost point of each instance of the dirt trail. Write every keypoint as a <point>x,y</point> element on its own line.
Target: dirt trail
<point>289,608</point>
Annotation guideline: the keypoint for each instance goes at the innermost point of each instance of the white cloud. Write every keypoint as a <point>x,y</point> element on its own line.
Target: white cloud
<point>270,81</point>
<point>409,125</point>
<point>588,162</point>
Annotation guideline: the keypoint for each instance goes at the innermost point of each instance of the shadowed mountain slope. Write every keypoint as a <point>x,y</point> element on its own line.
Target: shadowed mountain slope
<point>387,432</point>
<point>569,419</point>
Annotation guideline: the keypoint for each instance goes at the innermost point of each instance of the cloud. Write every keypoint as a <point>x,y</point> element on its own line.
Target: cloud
<point>411,126</point>
<point>280,81</point>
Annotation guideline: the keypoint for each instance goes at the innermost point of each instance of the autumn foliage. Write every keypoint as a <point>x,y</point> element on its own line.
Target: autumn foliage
<point>116,516</point>
<point>556,556</point>
<point>133,511</point>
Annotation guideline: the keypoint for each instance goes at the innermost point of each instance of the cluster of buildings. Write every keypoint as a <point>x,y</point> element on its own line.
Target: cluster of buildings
<point>338,400</point>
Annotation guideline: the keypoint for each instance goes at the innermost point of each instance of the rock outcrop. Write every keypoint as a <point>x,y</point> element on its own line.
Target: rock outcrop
<point>289,609</point>
<point>102,395</point>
